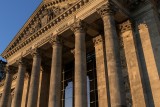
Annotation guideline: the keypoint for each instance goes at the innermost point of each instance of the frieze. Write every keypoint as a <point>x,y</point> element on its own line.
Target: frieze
<point>63,28</point>
<point>42,29</point>
<point>43,41</point>
<point>28,51</point>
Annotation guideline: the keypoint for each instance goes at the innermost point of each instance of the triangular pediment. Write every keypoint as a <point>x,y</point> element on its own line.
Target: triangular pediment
<point>45,12</point>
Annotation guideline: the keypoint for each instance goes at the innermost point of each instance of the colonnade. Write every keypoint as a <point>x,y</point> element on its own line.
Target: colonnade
<point>109,74</point>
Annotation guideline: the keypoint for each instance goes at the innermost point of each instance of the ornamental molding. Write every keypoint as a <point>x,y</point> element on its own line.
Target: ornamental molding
<point>98,40</point>
<point>142,26</point>
<point>36,52</point>
<point>41,22</point>
<point>55,40</point>
<point>107,9</point>
<point>78,26</point>
<point>22,61</point>
<point>126,26</point>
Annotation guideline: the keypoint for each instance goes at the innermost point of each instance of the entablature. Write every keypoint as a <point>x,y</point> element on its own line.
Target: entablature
<point>45,13</point>
<point>48,16</point>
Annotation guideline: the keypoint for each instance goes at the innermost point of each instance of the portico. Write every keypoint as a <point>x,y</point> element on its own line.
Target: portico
<point>78,47</point>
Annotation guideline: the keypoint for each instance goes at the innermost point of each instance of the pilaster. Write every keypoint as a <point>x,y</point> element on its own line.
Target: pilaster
<point>149,50</point>
<point>102,75</point>
<point>133,65</point>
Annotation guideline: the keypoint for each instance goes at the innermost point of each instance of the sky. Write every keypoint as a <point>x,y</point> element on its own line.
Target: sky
<point>13,15</point>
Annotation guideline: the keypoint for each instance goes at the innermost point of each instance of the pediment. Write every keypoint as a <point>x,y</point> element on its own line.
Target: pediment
<point>45,13</point>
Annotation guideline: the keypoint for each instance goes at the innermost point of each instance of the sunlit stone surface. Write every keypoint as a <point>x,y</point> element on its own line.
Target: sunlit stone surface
<point>85,53</point>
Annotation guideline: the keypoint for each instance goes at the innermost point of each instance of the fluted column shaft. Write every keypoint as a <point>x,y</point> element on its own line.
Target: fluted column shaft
<point>116,88</point>
<point>102,75</point>
<point>133,65</point>
<point>55,78</point>
<point>7,88</point>
<point>80,76</point>
<point>34,82</point>
<point>19,84</point>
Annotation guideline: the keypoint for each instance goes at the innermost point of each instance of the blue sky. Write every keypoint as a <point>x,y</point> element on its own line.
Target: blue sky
<point>13,15</point>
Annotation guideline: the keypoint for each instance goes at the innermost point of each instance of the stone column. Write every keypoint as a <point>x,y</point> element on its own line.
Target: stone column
<point>25,90</point>
<point>133,65</point>
<point>80,77</point>
<point>44,86</point>
<point>102,75</point>
<point>7,87</point>
<point>116,86</point>
<point>34,82</point>
<point>19,84</point>
<point>56,69</point>
<point>0,96</point>
<point>150,67</point>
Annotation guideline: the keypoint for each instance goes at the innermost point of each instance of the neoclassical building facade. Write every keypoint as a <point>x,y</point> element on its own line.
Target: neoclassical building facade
<point>85,53</point>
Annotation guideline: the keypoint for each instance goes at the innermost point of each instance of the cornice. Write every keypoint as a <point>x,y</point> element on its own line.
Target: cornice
<point>8,52</point>
<point>24,26</point>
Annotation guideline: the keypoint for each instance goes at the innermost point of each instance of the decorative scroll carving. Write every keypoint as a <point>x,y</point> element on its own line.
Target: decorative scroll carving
<point>78,25</point>
<point>142,26</point>
<point>55,40</point>
<point>107,9</point>
<point>36,52</point>
<point>126,26</point>
<point>22,61</point>
<point>98,40</point>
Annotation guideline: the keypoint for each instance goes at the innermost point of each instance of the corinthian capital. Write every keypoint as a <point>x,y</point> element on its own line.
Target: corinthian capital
<point>79,26</point>
<point>55,40</point>
<point>22,61</point>
<point>98,40</point>
<point>142,26</point>
<point>36,52</point>
<point>107,9</point>
<point>126,26</point>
